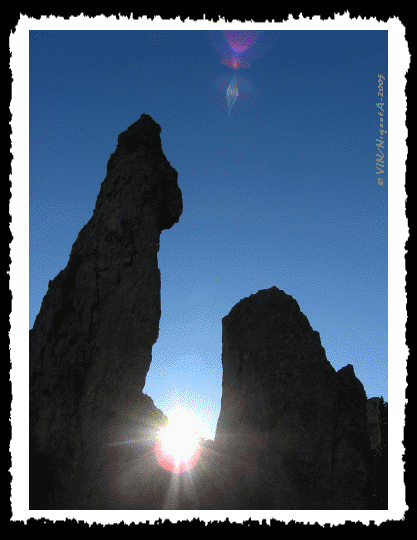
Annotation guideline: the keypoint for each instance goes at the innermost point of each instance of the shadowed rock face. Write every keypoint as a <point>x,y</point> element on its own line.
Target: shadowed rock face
<point>91,343</point>
<point>292,433</point>
<point>377,412</point>
<point>351,453</point>
<point>373,415</point>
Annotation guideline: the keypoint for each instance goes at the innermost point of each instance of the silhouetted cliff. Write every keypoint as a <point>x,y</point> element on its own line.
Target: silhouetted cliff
<point>292,432</point>
<point>91,343</point>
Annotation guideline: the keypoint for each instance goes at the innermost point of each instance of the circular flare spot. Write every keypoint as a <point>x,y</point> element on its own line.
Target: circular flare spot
<point>241,40</point>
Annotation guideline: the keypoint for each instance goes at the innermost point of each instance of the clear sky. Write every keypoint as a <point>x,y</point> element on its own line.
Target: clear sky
<point>283,191</point>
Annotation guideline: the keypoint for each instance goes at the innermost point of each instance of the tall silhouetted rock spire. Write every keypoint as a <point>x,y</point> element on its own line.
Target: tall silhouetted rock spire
<point>91,343</point>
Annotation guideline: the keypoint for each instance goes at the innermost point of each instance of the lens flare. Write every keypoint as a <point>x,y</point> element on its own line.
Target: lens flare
<point>238,49</point>
<point>235,63</point>
<point>241,40</point>
<point>232,93</point>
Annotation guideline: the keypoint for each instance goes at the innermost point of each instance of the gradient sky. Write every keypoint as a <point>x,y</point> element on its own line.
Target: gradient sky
<point>283,192</point>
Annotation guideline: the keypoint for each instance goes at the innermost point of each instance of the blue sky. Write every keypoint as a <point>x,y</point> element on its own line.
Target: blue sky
<point>282,192</point>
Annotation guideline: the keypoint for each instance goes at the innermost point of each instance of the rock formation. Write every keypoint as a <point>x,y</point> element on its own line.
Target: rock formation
<point>91,343</point>
<point>292,432</point>
<point>377,412</point>
<point>351,455</point>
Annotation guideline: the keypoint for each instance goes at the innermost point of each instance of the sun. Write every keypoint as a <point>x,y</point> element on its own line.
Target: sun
<point>177,446</point>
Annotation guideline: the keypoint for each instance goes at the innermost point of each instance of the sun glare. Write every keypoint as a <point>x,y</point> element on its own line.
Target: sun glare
<point>178,443</point>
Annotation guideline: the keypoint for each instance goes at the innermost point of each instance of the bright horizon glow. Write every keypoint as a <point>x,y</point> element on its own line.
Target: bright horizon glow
<point>178,443</point>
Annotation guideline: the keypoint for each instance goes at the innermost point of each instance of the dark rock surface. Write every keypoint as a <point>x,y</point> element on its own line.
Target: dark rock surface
<point>377,413</point>
<point>374,421</point>
<point>292,433</point>
<point>351,453</point>
<point>91,343</point>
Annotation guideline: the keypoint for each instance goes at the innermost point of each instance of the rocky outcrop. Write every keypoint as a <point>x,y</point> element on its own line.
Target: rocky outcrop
<point>377,413</point>
<point>292,433</point>
<point>91,343</point>
<point>374,421</point>
<point>351,453</point>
